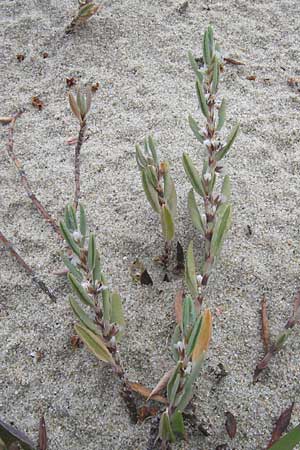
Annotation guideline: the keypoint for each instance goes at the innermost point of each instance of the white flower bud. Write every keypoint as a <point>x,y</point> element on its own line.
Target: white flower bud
<point>85,284</point>
<point>207,142</point>
<point>179,346</point>
<point>199,280</point>
<point>188,368</point>
<point>207,176</point>
<point>77,235</point>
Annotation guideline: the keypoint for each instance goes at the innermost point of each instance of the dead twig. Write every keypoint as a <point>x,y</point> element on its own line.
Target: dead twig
<point>24,180</point>
<point>265,324</point>
<point>28,269</point>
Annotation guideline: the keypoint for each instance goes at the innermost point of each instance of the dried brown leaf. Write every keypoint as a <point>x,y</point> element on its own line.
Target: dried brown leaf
<point>5,120</point>
<point>20,57</point>
<point>265,324</point>
<point>146,411</point>
<point>230,424</point>
<point>251,77</point>
<point>37,103</point>
<point>42,435</point>
<point>95,86</point>
<point>161,384</point>
<point>145,392</point>
<point>71,81</point>
<point>178,306</point>
<point>76,341</point>
<point>234,62</point>
<point>281,425</point>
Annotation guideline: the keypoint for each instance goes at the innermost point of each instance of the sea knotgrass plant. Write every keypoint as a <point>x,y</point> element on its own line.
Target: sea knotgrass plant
<point>215,221</point>
<point>87,9</point>
<point>103,329</point>
<point>160,191</point>
<point>80,107</point>
<point>190,342</point>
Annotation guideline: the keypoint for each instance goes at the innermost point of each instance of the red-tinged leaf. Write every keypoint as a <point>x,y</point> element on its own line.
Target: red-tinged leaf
<point>230,424</point>
<point>76,342</point>
<point>145,392</point>
<point>178,306</point>
<point>161,384</point>
<point>265,324</point>
<point>281,425</point>
<point>234,62</point>
<point>42,435</point>
<point>10,435</point>
<point>295,318</point>
<point>146,411</point>
<point>204,336</point>
<point>70,81</point>
<point>263,364</point>
<point>5,120</point>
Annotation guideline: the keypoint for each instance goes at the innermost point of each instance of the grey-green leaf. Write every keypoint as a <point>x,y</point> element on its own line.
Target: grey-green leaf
<point>193,175</point>
<point>222,115</point>
<point>74,271</point>
<point>170,193</point>
<point>117,314</point>
<point>226,188</point>
<point>220,230</point>
<point>194,212</point>
<point>202,100</point>
<point>167,223</point>
<point>221,153</point>
<point>140,159</point>
<point>69,239</point>
<point>194,335</point>
<point>92,252</point>
<point>82,224</point>
<point>80,291</point>
<point>177,423</point>
<point>83,317</point>
<point>196,129</point>
<point>151,145</point>
<point>151,193</point>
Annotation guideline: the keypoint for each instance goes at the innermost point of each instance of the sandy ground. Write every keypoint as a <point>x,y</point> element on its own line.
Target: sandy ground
<point>137,51</point>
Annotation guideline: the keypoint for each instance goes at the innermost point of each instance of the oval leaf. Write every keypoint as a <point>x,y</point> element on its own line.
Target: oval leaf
<point>80,291</point>
<point>224,150</point>
<point>194,212</point>
<point>167,223</point>
<point>193,174</point>
<point>94,343</point>
<point>196,129</point>
<point>151,193</point>
<point>204,336</point>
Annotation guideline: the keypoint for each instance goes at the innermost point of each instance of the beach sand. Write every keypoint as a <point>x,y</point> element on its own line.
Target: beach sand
<point>137,51</point>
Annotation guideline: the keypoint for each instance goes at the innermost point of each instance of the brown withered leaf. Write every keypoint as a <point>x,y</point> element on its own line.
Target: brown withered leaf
<point>234,62</point>
<point>281,425</point>
<point>145,392</point>
<point>45,55</point>
<point>5,120</point>
<point>20,57</point>
<point>95,86</point>
<point>178,306</point>
<point>145,278</point>
<point>76,341</point>
<point>37,103</point>
<point>71,81</point>
<point>146,411</point>
<point>295,318</point>
<point>161,384</point>
<point>42,445</point>
<point>230,424</point>
<point>265,324</point>
<point>251,77</point>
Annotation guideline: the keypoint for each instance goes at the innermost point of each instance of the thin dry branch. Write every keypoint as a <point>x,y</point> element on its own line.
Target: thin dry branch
<point>265,324</point>
<point>24,180</point>
<point>28,269</point>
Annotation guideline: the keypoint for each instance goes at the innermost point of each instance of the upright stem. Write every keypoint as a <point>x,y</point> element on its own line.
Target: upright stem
<point>77,163</point>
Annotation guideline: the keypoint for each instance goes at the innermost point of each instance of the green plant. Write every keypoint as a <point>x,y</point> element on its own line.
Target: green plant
<point>190,342</point>
<point>160,191</point>
<point>87,9</point>
<point>103,329</point>
<point>215,221</point>
<point>289,441</point>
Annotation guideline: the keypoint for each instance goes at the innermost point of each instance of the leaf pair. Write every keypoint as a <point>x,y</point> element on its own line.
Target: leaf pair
<point>81,104</point>
<point>158,186</point>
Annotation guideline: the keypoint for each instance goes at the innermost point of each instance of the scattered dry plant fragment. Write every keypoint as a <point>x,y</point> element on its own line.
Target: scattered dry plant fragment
<point>281,340</point>
<point>102,333</point>
<point>160,191</point>
<point>190,343</point>
<point>215,222</point>
<point>80,107</point>
<point>87,9</point>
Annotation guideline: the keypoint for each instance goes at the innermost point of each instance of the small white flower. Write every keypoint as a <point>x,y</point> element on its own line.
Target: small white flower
<point>199,280</point>
<point>179,346</point>
<point>77,235</point>
<point>199,290</point>
<point>203,217</point>
<point>75,260</point>
<point>207,176</point>
<point>113,340</point>
<point>101,287</point>
<point>85,284</point>
<point>223,198</point>
<point>188,368</point>
<point>207,142</point>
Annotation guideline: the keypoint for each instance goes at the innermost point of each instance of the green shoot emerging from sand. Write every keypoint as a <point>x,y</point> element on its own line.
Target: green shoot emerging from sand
<point>160,191</point>
<point>80,107</point>
<point>190,342</point>
<point>102,331</point>
<point>215,221</point>
<point>87,9</point>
